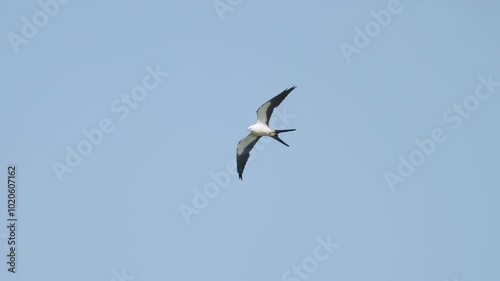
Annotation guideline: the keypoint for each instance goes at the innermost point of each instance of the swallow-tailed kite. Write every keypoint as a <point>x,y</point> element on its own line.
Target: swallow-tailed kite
<point>260,129</point>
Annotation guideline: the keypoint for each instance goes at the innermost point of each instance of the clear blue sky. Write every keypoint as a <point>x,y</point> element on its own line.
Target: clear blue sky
<point>357,118</point>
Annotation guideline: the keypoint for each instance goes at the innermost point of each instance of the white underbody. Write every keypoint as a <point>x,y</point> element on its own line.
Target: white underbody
<point>261,129</point>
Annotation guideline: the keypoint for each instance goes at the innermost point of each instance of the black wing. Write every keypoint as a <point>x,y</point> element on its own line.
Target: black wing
<point>243,152</point>
<point>266,110</point>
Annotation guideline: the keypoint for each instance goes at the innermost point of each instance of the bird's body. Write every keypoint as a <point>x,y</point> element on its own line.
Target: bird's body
<point>260,129</point>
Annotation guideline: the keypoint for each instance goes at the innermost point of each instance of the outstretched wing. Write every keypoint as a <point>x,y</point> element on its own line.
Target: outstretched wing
<point>243,152</point>
<point>266,110</point>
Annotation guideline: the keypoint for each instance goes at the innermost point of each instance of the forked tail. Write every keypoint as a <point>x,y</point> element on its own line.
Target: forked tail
<point>284,131</point>
<point>281,131</point>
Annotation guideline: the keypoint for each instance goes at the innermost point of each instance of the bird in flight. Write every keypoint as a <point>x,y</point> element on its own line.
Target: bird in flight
<point>260,129</point>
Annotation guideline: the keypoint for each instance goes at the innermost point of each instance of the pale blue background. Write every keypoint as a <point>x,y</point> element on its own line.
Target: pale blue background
<point>119,208</point>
